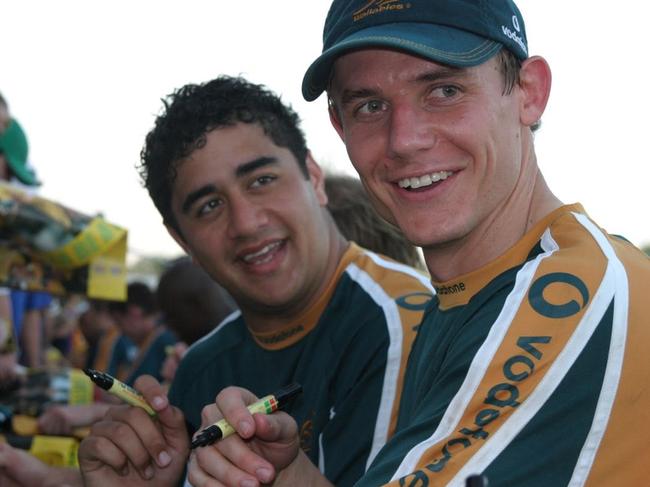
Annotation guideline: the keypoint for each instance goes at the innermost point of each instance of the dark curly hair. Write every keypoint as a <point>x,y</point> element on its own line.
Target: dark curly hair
<point>193,111</point>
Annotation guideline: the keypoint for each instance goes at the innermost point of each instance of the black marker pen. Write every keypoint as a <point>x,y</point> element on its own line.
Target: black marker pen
<point>476,480</point>
<point>266,405</point>
<point>119,389</point>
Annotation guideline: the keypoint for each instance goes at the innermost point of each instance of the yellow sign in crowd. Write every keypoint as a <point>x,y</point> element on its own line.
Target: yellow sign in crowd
<point>45,246</point>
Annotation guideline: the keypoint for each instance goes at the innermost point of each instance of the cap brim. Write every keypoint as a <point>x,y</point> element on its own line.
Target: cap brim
<point>437,43</point>
<point>22,173</point>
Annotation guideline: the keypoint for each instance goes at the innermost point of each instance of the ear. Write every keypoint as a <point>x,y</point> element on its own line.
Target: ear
<point>335,119</point>
<point>317,179</point>
<point>179,240</point>
<point>535,85</point>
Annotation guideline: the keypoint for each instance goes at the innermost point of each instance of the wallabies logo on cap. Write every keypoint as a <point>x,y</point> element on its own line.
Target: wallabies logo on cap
<point>378,6</point>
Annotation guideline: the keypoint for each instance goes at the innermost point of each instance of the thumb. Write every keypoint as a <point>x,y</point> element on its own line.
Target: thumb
<point>170,418</point>
<point>277,427</point>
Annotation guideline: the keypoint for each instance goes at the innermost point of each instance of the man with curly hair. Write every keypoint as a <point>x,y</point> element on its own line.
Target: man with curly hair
<point>228,168</point>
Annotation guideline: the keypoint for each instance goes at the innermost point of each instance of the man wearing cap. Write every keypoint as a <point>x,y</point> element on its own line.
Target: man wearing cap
<point>13,169</point>
<point>26,307</point>
<point>530,366</point>
<point>7,341</point>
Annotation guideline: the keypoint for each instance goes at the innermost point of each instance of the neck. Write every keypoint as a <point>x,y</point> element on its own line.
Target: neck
<point>531,201</point>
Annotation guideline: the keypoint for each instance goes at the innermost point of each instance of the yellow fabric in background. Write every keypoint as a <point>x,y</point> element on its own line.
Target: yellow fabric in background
<point>81,388</point>
<point>101,246</point>
<point>107,273</point>
<point>58,451</point>
<point>98,245</point>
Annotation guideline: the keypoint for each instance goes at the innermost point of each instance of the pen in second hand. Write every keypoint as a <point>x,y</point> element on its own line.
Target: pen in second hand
<point>266,405</point>
<point>119,389</point>
<point>476,480</point>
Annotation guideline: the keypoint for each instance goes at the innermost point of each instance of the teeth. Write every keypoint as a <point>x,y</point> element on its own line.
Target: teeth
<point>425,180</point>
<point>256,255</point>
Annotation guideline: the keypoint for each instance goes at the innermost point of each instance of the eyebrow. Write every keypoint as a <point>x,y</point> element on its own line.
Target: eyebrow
<point>191,198</point>
<point>251,166</point>
<point>240,171</point>
<point>442,73</point>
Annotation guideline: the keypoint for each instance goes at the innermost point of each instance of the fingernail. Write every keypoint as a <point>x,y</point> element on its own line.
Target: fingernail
<point>148,472</point>
<point>158,402</point>
<point>164,458</point>
<point>265,475</point>
<point>245,428</point>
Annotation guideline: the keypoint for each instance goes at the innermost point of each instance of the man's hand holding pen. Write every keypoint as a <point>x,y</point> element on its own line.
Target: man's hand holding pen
<point>130,447</point>
<point>265,449</point>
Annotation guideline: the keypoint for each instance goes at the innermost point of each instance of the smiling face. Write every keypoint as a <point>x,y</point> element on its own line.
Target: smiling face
<point>439,149</point>
<point>249,216</point>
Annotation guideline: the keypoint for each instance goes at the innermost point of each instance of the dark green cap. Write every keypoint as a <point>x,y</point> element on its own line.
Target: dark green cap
<point>459,33</point>
<point>14,148</point>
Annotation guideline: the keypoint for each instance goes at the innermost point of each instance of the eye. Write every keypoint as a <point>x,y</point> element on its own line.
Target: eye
<point>445,92</point>
<point>263,180</point>
<point>370,107</point>
<point>209,206</point>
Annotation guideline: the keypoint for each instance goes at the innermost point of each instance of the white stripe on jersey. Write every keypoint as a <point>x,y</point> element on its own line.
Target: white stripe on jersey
<point>614,360</point>
<point>231,317</point>
<point>396,266</point>
<point>393,358</point>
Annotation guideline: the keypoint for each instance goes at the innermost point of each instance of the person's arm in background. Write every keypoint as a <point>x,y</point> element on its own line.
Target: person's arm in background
<point>32,331</point>
<point>21,469</point>
<point>63,419</point>
<point>7,341</point>
<point>32,338</point>
<point>174,356</point>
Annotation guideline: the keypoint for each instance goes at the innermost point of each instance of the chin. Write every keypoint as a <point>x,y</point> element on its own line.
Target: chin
<point>435,240</point>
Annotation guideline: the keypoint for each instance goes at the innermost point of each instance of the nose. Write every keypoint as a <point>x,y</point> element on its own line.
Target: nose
<point>245,217</point>
<point>411,130</point>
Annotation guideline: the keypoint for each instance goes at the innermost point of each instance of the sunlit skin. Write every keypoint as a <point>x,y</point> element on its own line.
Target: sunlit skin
<point>5,172</point>
<point>249,216</point>
<point>5,119</point>
<point>402,116</point>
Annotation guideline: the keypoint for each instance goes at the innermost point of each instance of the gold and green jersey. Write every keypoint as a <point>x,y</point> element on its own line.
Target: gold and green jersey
<point>533,370</point>
<point>348,351</point>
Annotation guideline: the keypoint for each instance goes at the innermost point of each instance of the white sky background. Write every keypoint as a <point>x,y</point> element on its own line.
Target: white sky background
<point>85,80</point>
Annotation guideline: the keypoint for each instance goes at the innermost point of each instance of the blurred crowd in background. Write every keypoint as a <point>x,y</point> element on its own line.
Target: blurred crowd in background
<point>49,336</point>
